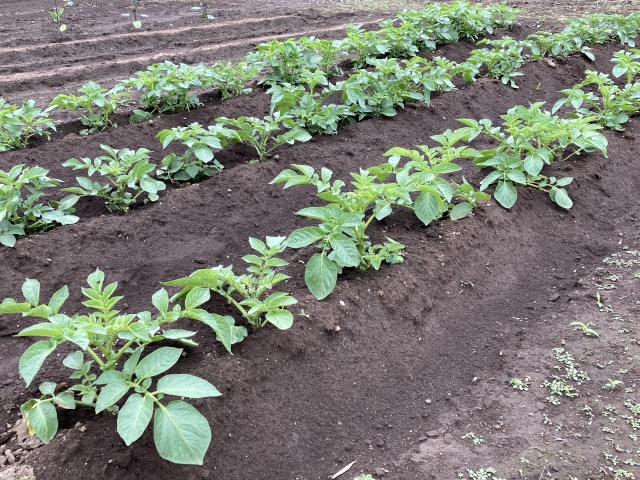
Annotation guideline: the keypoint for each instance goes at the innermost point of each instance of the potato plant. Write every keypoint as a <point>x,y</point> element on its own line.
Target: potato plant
<point>127,174</point>
<point>18,125</point>
<point>22,212</point>
<point>364,44</point>
<point>94,105</point>
<point>104,338</point>
<point>198,162</point>
<point>530,139</point>
<point>248,293</point>
<point>305,105</point>
<point>614,106</point>
<point>230,78</point>
<point>263,134</point>
<point>166,87</point>
<point>287,60</point>
<point>341,232</point>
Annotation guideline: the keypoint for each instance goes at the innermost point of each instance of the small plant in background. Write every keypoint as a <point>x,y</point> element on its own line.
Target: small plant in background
<point>474,439</point>
<point>612,384</point>
<point>257,309</point>
<point>205,11</point>
<point>94,105</point>
<point>521,384</point>
<point>585,328</point>
<point>231,78</point>
<point>106,338</point>
<point>134,9</point>
<point>18,125</point>
<point>21,213</point>
<point>127,174</point>
<point>261,134</point>
<point>198,162</point>
<point>166,86</point>
<point>627,64</point>
<point>364,44</point>
<point>56,15</point>
<point>287,60</point>
<point>482,474</point>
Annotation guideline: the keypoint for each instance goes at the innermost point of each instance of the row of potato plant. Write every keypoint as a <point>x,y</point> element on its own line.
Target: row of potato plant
<point>167,87</point>
<point>528,139</point>
<point>299,110</point>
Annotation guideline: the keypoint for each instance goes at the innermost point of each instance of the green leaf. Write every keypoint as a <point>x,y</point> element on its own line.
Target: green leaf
<point>132,362</point>
<point>344,250</point>
<point>427,207</point>
<point>196,297</point>
<point>46,329</point>
<point>181,433</point>
<point>561,197</point>
<point>304,237</point>
<point>157,362</point>
<point>160,300</point>
<point>506,194</point>
<point>47,388</point>
<point>74,360</point>
<point>134,417</point>
<point>65,400</point>
<point>461,210</point>
<point>183,385</point>
<point>33,358</point>
<point>111,393</point>
<point>31,291</point>
<point>320,275</point>
<point>58,299</point>
<point>43,420</point>
<point>281,319</point>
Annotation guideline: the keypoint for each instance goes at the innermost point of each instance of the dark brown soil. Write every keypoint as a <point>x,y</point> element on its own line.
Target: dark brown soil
<point>424,351</point>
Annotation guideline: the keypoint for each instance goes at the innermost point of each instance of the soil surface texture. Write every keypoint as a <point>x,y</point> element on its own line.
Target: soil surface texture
<point>407,370</point>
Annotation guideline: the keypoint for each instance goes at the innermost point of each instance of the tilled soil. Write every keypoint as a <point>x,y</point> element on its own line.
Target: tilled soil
<point>424,350</point>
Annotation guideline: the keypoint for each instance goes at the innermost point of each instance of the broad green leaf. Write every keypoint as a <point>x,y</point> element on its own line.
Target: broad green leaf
<point>42,419</point>
<point>427,207</point>
<point>46,329</point>
<point>31,291</point>
<point>132,362</point>
<point>183,385</point>
<point>320,275</point>
<point>203,153</point>
<point>33,358</point>
<point>344,250</point>
<point>111,393</point>
<point>219,324</point>
<point>65,400</point>
<point>304,237</point>
<point>281,319</point>
<point>561,197</point>
<point>58,299</point>
<point>74,360</point>
<point>109,376</point>
<point>181,433</point>
<point>196,297</point>
<point>47,388</point>
<point>13,307</point>
<point>160,300</point>
<point>134,417</point>
<point>157,362</point>
<point>461,210</point>
<point>506,194</point>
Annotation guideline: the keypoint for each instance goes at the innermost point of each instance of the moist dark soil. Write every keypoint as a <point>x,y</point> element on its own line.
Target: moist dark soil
<point>396,365</point>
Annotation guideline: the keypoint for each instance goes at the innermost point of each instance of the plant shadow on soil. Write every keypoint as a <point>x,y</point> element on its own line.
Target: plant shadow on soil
<point>425,350</point>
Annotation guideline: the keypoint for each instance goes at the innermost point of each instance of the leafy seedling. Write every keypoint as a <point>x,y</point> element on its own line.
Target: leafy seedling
<point>20,210</point>
<point>585,327</point>
<point>127,174</point>
<point>56,15</point>
<point>205,11</point>
<point>134,9</point>
<point>18,125</point>
<point>248,292</point>
<point>612,384</point>
<point>94,105</point>
<point>105,338</point>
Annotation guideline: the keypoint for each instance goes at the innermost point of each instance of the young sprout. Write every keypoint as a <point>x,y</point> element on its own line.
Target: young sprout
<point>585,328</point>
<point>612,384</point>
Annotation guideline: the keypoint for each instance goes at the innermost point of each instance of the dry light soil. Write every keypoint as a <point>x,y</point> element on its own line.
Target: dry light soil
<point>398,369</point>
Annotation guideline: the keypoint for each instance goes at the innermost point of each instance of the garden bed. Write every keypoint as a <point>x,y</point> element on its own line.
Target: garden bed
<point>396,365</point>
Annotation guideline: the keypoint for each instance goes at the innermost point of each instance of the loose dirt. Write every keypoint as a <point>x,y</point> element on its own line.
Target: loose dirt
<point>425,350</point>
